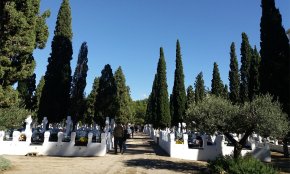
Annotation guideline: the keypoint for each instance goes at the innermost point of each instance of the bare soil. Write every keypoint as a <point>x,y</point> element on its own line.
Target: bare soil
<point>142,156</point>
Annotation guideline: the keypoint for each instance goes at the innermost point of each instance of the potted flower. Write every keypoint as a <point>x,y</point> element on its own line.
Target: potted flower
<point>22,137</point>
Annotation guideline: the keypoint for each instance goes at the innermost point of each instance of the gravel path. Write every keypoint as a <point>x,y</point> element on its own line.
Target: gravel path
<point>142,156</point>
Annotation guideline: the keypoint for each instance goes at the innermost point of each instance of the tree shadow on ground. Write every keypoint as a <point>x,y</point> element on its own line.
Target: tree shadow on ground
<point>186,167</point>
<point>280,162</point>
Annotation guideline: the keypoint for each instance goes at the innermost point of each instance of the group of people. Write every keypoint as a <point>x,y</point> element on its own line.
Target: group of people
<point>121,134</point>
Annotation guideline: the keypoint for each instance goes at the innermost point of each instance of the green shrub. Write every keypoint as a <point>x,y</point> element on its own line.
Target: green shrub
<point>242,165</point>
<point>4,164</point>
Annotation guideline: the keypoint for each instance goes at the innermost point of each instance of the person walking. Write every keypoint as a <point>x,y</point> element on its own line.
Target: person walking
<point>125,137</point>
<point>118,137</point>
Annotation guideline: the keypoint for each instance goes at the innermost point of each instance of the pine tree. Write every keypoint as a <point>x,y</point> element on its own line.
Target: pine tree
<point>123,100</point>
<point>234,76</point>
<point>105,104</point>
<point>246,54</point>
<point>254,83</point>
<point>22,29</point>
<point>152,104</point>
<point>178,92</point>
<point>163,119</point>
<point>275,58</point>
<point>54,102</point>
<point>77,104</point>
<point>190,98</point>
<point>217,86</point>
<point>26,89</point>
<point>90,101</point>
<point>199,88</point>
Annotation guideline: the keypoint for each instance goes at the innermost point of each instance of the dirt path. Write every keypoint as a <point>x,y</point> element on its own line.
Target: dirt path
<point>142,156</point>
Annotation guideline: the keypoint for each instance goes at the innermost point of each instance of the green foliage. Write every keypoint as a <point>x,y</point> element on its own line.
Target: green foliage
<point>26,89</point>
<point>77,104</point>
<point>262,116</point>
<point>246,55</point>
<point>199,88</point>
<point>105,104</point>
<point>254,83</point>
<point>189,97</point>
<point>22,29</point>
<point>158,109</point>
<point>217,87</point>
<point>38,93</point>
<point>212,114</point>
<point>123,100</point>
<point>178,100</point>
<point>234,76</point>
<point>8,97</point>
<point>4,164</point>
<point>151,104</point>
<point>90,101</point>
<point>247,165</point>
<point>54,102</point>
<point>139,111</point>
<point>163,118</point>
<point>12,117</point>
<point>275,55</point>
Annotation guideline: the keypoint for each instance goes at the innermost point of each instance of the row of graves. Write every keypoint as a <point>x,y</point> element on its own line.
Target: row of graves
<point>58,140</point>
<point>186,144</point>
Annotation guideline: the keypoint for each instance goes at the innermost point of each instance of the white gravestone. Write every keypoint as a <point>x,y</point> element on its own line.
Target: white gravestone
<point>28,131</point>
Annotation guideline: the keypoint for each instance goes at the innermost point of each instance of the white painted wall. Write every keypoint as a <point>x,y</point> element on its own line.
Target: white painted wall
<point>207,152</point>
<point>16,147</point>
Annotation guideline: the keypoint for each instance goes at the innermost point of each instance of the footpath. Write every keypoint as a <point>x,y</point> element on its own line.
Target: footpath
<point>142,156</point>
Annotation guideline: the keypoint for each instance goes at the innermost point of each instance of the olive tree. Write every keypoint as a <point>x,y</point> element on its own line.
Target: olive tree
<point>263,116</point>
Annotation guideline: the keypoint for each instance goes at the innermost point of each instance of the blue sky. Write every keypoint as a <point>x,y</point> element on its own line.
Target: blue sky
<point>129,33</point>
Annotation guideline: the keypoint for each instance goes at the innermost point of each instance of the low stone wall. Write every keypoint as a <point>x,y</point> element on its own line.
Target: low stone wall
<point>166,141</point>
<point>277,148</point>
<point>59,148</point>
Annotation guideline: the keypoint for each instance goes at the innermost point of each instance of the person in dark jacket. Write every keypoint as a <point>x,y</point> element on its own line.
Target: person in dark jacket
<point>118,137</point>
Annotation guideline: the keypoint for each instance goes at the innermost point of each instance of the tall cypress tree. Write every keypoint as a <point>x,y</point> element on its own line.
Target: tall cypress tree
<point>90,101</point>
<point>54,102</point>
<point>163,118</point>
<point>234,76</point>
<point>189,97</point>
<point>275,58</point>
<point>152,104</point>
<point>77,106</point>
<point>26,89</point>
<point>246,54</point>
<point>225,93</point>
<point>274,52</point>
<point>254,83</point>
<point>217,86</point>
<point>105,104</point>
<point>199,88</point>
<point>123,100</point>
<point>38,93</point>
<point>178,93</point>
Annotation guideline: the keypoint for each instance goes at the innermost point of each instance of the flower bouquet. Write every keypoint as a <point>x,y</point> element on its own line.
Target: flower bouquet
<point>22,137</point>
